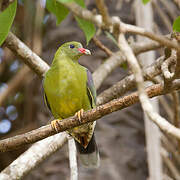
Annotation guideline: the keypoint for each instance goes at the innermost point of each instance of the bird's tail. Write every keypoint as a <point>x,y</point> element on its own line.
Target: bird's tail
<point>89,156</point>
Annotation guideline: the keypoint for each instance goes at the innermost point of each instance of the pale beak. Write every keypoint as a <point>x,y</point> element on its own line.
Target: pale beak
<point>84,51</point>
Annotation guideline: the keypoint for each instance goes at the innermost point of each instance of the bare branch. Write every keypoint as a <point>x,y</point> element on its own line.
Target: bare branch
<point>169,164</point>
<point>162,123</point>
<point>176,104</point>
<point>106,68</point>
<point>33,156</point>
<point>14,83</point>
<point>97,19</point>
<point>102,46</point>
<point>121,87</point>
<point>73,159</point>
<point>166,66</point>
<point>30,58</point>
<point>159,38</point>
<point>104,12</point>
<point>141,47</point>
<point>89,116</point>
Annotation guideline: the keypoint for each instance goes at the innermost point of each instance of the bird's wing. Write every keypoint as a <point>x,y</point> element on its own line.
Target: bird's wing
<point>91,91</point>
<point>45,98</point>
<point>46,102</point>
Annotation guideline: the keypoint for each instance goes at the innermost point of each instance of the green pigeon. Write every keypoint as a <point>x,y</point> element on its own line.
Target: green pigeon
<point>68,91</point>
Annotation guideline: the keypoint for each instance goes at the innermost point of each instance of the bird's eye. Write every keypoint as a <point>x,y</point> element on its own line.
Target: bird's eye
<point>71,46</point>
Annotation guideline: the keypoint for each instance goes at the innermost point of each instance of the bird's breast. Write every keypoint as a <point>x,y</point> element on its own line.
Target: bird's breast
<point>67,93</point>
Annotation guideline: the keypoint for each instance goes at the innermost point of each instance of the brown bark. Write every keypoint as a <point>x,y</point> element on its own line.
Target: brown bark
<point>89,116</point>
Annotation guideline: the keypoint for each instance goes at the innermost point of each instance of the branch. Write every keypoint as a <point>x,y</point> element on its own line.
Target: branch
<point>102,46</point>
<point>89,116</point>
<point>97,19</point>
<point>33,156</point>
<point>104,12</point>
<point>176,108</point>
<point>117,59</point>
<point>162,123</point>
<point>141,47</point>
<point>30,58</point>
<point>14,83</point>
<point>73,159</point>
<point>169,164</point>
<point>126,84</point>
<point>106,68</point>
<point>166,66</point>
<point>143,32</point>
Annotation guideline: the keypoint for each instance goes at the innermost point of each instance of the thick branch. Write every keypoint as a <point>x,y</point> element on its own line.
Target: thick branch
<point>33,156</point>
<point>30,58</point>
<point>89,116</point>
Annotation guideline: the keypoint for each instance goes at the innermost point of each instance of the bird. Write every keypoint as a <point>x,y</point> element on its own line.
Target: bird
<point>69,90</point>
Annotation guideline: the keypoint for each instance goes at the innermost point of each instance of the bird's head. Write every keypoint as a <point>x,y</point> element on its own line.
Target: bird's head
<point>74,50</point>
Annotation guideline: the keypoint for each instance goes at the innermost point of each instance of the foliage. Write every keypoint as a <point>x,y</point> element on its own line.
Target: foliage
<point>176,24</point>
<point>145,1</point>
<point>57,9</point>
<point>60,11</point>
<point>6,20</point>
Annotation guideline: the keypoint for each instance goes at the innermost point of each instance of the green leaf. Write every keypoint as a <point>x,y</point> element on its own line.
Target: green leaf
<point>80,3</point>
<point>87,27</point>
<point>57,9</point>
<point>145,1</point>
<point>6,20</point>
<point>176,24</point>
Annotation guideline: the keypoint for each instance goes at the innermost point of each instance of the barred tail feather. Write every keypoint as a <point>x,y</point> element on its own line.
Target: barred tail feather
<point>89,156</point>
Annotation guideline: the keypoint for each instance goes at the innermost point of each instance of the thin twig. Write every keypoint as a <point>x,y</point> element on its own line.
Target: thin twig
<point>14,84</point>
<point>167,108</point>
<point>102,46</point>
<point>162,15</point>
<point>159,38</point>
<point>176,104</point>
<point>170,165</point>
<point>169,146</point>
<point>104,12</point>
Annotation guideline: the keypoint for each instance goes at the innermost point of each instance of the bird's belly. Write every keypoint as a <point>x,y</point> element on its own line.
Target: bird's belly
<point>67,100</point>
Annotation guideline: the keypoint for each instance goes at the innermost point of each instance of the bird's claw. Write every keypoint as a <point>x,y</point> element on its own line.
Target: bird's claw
<point>55,125</point>
<point>79,114</point>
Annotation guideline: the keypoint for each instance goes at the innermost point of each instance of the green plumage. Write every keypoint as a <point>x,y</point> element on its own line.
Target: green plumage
<point>68,88</point>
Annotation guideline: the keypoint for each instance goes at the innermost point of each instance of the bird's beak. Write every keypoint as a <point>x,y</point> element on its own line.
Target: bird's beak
<point>84,51</point>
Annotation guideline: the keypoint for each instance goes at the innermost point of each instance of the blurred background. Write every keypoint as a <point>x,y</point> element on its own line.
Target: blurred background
<point>120,135</point>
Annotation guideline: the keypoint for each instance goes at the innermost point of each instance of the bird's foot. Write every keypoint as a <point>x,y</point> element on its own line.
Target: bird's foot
<point>55,125</point>
<point>79,114</point>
